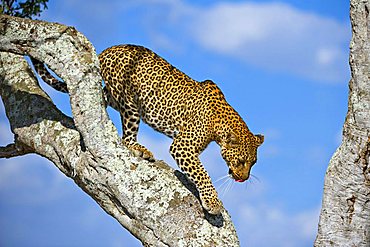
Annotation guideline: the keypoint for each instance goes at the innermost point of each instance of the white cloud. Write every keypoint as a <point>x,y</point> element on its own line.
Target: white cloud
<point>271,226</point>
<point>275,36</point>
<point>272,36</point>
<point>327,56</point>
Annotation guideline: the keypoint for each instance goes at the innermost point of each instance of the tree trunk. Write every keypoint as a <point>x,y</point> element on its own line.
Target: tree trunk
<point>345,213</point>
<point>151,200</point>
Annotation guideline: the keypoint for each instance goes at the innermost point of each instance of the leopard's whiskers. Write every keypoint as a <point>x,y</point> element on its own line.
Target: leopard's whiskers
<point>223,189</point>
<point>251,180</point>
<point>255,177</point>
<point>222,186</point>
<point>230,186</point>
<point>221,178</point>
<point>246,185</point>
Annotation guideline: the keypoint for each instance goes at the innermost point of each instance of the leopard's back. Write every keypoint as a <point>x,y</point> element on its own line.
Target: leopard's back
<point>161,91</point>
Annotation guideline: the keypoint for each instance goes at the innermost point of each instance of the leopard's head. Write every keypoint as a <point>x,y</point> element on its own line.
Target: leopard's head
<point>240,154</point>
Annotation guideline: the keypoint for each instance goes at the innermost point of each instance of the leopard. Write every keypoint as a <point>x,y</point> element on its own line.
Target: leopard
<point>142,85</point>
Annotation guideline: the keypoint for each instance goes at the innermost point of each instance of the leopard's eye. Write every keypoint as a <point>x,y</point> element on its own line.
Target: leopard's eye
<point>241,161</point>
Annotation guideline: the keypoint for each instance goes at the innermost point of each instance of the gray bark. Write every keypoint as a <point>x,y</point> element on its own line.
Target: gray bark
<point>151,200</point>
<point>345,213</point>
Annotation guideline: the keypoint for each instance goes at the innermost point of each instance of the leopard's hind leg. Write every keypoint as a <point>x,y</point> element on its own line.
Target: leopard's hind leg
<point>130,119</point>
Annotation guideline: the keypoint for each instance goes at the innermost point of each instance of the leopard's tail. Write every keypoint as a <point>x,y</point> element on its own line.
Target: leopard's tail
<point>47,77</point>
<point>61,86</point>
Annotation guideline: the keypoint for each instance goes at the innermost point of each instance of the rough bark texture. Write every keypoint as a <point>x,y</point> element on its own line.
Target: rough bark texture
<point>345,213</point>
<point>151,200</point>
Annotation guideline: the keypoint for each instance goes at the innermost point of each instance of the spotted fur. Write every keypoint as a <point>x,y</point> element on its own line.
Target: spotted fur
<point>142,85</point>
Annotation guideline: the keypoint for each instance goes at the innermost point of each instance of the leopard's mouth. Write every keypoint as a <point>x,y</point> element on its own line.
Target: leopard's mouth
<point>235,177</point>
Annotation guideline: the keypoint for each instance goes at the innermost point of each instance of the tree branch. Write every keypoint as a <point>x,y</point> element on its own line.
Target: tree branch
<point>14,150</point>
<point>345,213</point>
<point>148,199</point>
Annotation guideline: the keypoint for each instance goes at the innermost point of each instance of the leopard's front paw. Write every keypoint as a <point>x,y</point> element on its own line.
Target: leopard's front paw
<point>212,204</point>
<point>141,151</point>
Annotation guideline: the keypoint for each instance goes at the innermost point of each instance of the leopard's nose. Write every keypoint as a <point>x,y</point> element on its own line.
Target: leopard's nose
<point>237,179</point>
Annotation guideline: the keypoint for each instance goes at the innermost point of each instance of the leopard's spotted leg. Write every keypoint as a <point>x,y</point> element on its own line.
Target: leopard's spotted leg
<point>130,126</point>
<point>187,159</point>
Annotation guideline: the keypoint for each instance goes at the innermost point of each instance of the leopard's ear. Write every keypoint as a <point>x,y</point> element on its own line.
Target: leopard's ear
<point>232,140</point>
<point>259,139</point>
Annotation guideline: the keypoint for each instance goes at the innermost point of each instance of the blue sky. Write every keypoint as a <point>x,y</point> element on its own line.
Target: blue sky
<point>283,65</point>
